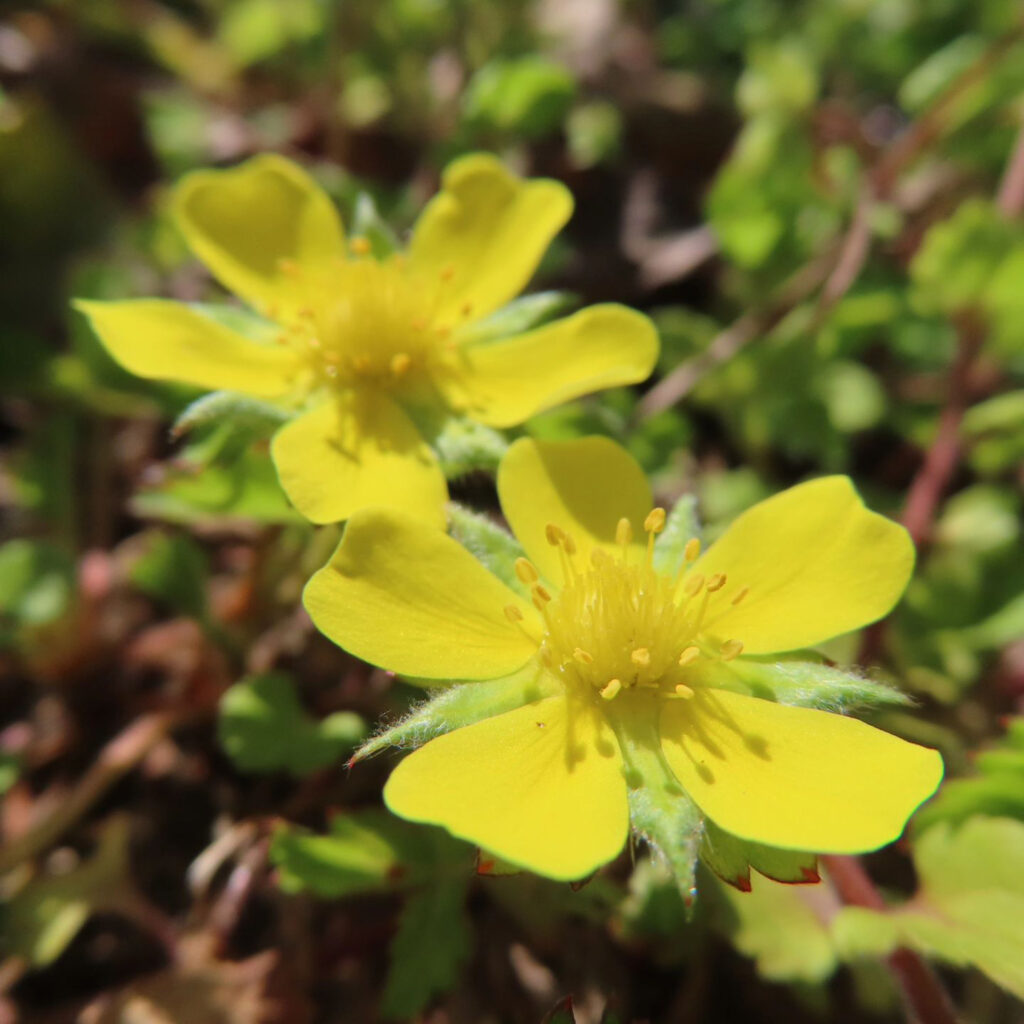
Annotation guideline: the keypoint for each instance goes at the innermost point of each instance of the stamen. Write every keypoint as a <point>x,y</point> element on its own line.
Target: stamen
<point>569,544</point>
<point>583,657</point>
<point>693,585</point>
<point>716,582</point>
<point>692,550</point>
<point>525,571</point>
<point>419,323</point>
<point>466,308</point>
<point>540,591</point>
<point>730,649</point>
<point>360,245</point>
<point>289,267</point>
<point>400,362</point>
<point>623,533</point>
<point>684,691</point>
<point>689,656</point>
<point>448,273</point>
<point>740,594</point>
<point>655,521</point>
<point>611,689</point>
<point>361,363</point>
<point>641,656</point>
<point>513,614</point>
<point>554,534</point>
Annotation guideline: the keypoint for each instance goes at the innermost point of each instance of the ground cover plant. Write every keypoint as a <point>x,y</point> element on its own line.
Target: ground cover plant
<point>512,511</point>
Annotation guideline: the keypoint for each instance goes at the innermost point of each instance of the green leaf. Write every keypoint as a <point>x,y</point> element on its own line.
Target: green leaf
<point>42,918</point>
<point>432,943</point>
<point>682,524</point>
<point>37,582</point>
<point>527,95</point>
<point>244,489</point>
<point>10,770</point>
<point>173,569</point>
<point>461,705</point>
<point>731,858</point>
<point>489,543</point>
<point>264,728</point>
<point>778,926</point>
<point>969,909</point>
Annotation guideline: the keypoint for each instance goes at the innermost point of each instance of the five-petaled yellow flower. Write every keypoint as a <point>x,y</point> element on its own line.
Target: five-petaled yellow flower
<point>628,658</point>
<point>364,347</point>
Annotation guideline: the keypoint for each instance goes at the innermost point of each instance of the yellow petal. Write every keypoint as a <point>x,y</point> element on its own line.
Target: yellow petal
<point>505,382</point>
<point>484,234</point>
<point>403,595</point>
<point>583,486</point>
<point>540,786</point>
<point>255,225</point>
<point>817,562</point>
<point>356,450</point>
<point>796,778</point>
<point>163,340</point>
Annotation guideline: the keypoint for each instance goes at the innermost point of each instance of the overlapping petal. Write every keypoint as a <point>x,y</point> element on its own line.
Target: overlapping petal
<point>817,562</point>
<point>506,382</point>
<point>256,224</point>
<point>353,450</point>
<point>540,786</point>
<point>485,232</point>
<point>163,340</point>
<point>405,596</point>
<point>795,778</point>
<point>583,486</point>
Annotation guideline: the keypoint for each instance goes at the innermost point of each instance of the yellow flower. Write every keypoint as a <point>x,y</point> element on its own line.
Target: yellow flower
<point>630,662</point>
<point>365,347</point>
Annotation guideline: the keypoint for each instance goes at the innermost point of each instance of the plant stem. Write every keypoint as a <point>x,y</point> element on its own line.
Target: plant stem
<point>924,995</point>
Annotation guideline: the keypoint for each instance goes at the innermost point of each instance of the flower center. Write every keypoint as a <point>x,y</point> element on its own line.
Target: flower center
<point>372,321</point>
<point>618,624</point>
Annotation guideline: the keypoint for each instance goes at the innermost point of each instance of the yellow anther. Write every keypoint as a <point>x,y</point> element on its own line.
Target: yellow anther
<point>684,691</point>
<point>554,534</point>
<point>361,363</point>
<point>692,550</point>
<point>641,656</point>
<point>623,533</point>
<point>525,571</point>
<point>466,308</point>
<point>583,657</point>
<point>692,587</point>
<point>513,614</point>
<point>740,594</point>
<point>611,689</point>
<point>400,362</point>
<point>419,323</point>
<point>540,592</point>
<point>360,245</point>
<point>716,582</point>
<point>307,313</point>
<point>689,656</point>
<point>443,332</point>
<point>655,521</point>
<point>569,544</point>
<point>731,649</point>
<point>599,558</point>
<point>447,273</point>
<point>290,267</point>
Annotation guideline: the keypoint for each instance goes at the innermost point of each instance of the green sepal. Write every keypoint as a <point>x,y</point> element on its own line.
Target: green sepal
<point>461,705</point>
<point>731,858</point>
<point>489,543</point>
<point>682,524</point>
<point>797,681</point>
<point>367,223</point>
<point>522,314</point>
<point>464,446</point>
<point>660,811</point>
<point>251,415</point>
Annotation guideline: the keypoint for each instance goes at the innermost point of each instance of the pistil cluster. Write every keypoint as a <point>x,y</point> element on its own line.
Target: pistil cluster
<point>617,624</point>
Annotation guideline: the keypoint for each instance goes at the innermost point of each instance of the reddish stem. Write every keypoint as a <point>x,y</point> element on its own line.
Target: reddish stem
<point>924,996</point>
